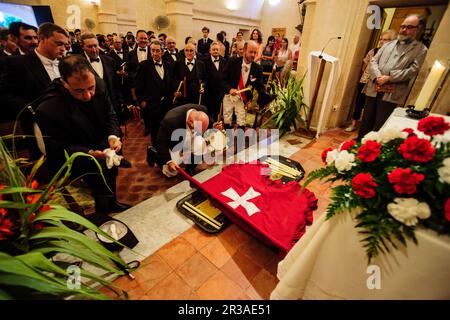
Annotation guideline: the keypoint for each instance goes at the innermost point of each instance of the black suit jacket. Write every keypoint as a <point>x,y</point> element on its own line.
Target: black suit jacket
<point>193,80</point>
<point>168,57</point>
<point>117,59</point>
<point>203,48</point>
<point>22,80</point>
<point>76,48</point>
<point>213,92</point>
<point>133,62</point>
<point>174,119</point>
<point>71,125</point>
<point>150,87</point>
<point>233,73</point>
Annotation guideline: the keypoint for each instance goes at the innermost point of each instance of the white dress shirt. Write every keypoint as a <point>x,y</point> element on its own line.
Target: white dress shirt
<point>51,66</point>
<point>119,54</point>
<point>215,62</point>
<point>97,66</point>
<point>159,68</point>
<point>142,55</point>
<point>245,71</point>
<point>173,54</point>
<point>190,66</point>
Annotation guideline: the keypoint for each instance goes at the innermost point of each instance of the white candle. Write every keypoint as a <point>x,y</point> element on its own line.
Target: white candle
<point>429,86</point>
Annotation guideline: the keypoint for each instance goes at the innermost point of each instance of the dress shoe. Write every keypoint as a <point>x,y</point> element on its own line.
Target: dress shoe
<point>350,128</point>
<point>116,206</point>
<point>124,163</point>
<point>151,155</point>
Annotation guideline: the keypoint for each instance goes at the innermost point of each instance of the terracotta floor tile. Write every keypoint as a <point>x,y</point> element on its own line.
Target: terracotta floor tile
<point>241,269</point>
<point>152,269</point>
<point>235,236</point>
<point>198,238</point>
<point>252,294</point>
<point>258,252</point>
<point>218,252</point>
<point>272,265</point>
<point>196,270</point>
<point>170,288</point>
<point>176,252</point>
<point>219,287</point>
<point>264,283</point>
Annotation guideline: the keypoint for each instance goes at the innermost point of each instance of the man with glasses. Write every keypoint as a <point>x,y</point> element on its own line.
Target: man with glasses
<point>76,115</point>
<point>392,71</point>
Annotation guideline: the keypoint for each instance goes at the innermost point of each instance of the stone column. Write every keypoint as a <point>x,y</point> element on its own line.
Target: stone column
<point>107,17</point>
<point>180,13</point>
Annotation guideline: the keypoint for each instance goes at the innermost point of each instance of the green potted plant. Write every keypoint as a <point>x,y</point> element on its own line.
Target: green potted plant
<point>34,230</point>
<point>289,109</point>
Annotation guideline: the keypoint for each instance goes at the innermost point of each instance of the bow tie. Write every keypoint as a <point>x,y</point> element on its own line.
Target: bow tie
<point>158,64</point>
<point>173,53</point>
<point>94,60</point>
<point>216,60</point>
<point>119,52</point>
<point>142,49</point>
<point>190,63</point>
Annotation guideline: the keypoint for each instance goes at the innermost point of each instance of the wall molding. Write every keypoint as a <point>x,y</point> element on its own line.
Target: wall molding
<point>182,1</point>
<point>205,15</point>
<point>180,13</point>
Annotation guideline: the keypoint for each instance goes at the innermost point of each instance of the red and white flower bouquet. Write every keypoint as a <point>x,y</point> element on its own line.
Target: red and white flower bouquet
<point>393,180</point>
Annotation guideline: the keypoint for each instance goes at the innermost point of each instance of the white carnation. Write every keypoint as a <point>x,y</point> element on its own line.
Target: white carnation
<point>331,156</point>
<point>440,139</point>
<point>344,161</point>
<point>444,171</point>
<point>372,135</point>
<point>389,134</point>
<point>407,210</point>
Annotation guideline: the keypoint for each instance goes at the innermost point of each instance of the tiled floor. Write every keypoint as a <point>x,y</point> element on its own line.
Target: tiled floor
<point>196,265</point>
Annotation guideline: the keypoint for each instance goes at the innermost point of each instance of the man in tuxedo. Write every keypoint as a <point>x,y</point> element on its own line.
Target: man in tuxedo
<point>76,44</point>
<point>103,67</point>
<point>191,73</point>
<point>76,115</point>
<point>192,121</point>
<point>129,44</point>
<point>204,43</point>
<point>119,57</point>
<point>171,54</point>
<point>25,36</point>
<point>215,66</point>
<point>25,77</point>
<point>240,73</point>
<point>116,52</point>
<point>153,88</point>
<point>9,47</point>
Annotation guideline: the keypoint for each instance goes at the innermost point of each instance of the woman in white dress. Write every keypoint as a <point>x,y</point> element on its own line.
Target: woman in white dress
<point>283,55</point>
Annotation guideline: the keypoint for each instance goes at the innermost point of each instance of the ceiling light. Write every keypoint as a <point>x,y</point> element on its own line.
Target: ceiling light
<point>274,2</point>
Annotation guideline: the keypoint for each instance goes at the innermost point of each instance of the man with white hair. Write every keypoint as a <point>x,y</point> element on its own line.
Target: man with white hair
<point>171,54</point>
<point>392,71</point>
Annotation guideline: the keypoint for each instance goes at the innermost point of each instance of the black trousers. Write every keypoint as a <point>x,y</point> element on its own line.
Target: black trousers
<point>153,115</point>
<point>375,114</point>
<point>359,102</point>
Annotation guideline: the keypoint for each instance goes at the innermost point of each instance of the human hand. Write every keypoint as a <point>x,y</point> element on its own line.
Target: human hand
<point>115,144</point>
<point>201,91</point>
<point>383,79</point>
<point>172,166</point>
<point>143,104</point>
<point>177,94</point>
<point>233,92</point>
<point>122,73</point>
<point>97,154</point>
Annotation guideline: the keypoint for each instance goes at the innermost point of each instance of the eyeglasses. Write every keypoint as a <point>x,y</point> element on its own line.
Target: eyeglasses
<point>408,26</point>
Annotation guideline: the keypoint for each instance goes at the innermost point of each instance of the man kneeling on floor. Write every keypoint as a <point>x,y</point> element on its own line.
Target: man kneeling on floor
<point>75,114</point>
<point>180,140</point>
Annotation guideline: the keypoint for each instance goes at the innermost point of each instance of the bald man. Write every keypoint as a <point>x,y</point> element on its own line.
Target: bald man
<point>192,121</point>
<point>241,72</point>
<point>191,73</point>
<point>171,54</point>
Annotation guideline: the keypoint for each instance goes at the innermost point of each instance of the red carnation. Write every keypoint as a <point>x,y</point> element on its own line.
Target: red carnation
<point>433,125</point>
<point>347,145</point>
<point>369,151</point>
<point>363,185</point>
<point>324,154</point>
<point>447,209</point>
<point>409,131</point>
<point>418,150</point>
<point>404,180</point>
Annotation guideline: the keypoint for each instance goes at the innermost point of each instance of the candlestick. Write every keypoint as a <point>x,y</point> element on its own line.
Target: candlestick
<point>430,86</point>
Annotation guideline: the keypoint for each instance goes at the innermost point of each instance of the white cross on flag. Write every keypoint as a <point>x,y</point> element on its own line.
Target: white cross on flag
<point>238,200</point>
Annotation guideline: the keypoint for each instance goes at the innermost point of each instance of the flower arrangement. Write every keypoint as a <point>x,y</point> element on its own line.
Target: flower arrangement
<point>393,180</point>
<point>34,230</point>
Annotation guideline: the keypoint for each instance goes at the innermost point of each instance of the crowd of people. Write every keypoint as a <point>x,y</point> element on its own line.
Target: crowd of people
<point>78,88</point>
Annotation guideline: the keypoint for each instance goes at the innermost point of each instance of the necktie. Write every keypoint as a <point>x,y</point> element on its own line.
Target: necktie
<point>94,60</point>
<point>142,49</point>
<point>204,41</point>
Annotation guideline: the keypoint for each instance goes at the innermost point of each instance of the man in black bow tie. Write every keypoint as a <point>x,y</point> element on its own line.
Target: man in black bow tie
<point>153,88</point>
<point>76,115</point>
<point>189,83</point>
<point>171,54</point>
<point>215,66</point>
<point>103,67</point>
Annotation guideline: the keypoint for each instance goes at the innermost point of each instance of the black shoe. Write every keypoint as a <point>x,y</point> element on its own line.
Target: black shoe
<point>124,163</point>
<point>151,155</point>
<point>102,204</point>
<point>116,206</point>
